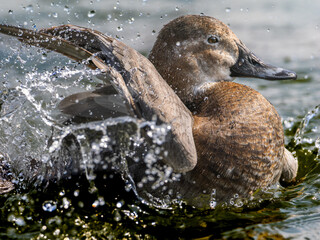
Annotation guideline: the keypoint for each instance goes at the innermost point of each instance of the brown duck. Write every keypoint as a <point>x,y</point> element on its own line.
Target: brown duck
<point>226,139</point>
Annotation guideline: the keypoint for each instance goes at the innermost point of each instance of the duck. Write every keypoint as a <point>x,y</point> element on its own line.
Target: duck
<point>226,140</point>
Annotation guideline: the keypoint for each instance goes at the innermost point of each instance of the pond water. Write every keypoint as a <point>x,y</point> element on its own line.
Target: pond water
<point>34,81</point>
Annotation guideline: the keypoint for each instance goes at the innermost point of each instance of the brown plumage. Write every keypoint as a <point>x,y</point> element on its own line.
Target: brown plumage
<point>239,142</point>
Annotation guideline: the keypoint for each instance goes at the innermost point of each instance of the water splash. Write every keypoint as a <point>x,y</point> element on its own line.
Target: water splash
<point>308,131</point>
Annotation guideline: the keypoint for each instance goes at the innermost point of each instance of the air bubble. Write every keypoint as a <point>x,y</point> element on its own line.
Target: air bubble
<point>228,9</point>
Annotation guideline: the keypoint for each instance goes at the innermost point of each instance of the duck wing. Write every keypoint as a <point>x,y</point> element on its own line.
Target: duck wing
<point>132,75</point>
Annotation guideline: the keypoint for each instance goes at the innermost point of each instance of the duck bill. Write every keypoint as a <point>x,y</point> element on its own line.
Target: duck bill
<point>249,65</point>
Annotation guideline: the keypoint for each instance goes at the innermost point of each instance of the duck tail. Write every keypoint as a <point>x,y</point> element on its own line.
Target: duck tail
<point>290,167</point>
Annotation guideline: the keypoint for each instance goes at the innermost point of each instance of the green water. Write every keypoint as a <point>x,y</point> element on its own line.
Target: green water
<point>285,33</point>
<point>102,210</point>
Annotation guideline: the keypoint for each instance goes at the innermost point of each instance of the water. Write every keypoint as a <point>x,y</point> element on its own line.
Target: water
<point>34,81</point>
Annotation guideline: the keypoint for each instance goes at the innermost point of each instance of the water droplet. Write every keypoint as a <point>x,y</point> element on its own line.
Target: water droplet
<point>213,204</point>
<point>317,143</point>
<point>10,12</point>
<point>66,9</point>
<point>119,29</point>
<point>66,203</point>
<point>241,62</point>
<point>44,56</point>
<point>119,204</point>
<point>29,8</point>
<point>80,204</point>
<point>117,216</point>
<point>95,204</point>
<point>178,43</point>
<point>76,193</point>
<point>20,221</point>
<point>153,32</point>
<point>238,203</point>
<point>131,20</point>
<point>20,33</point>
<point>49,206</point>
<point>91,13</point>
<point>228,9</point>
<point>177,8</point>
<point>56,232</point>
<point>268,29</point>
<point>128,187</point>
<point>55,15</point>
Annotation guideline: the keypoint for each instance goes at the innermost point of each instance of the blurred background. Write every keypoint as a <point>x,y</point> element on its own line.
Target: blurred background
<point>285,33</point>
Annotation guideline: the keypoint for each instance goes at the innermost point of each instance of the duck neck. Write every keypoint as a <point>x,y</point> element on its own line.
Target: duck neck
<point>202,93</point>
<point>187,74</point>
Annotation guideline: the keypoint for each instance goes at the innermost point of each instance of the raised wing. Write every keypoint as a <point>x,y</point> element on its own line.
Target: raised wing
<point>132,75</point>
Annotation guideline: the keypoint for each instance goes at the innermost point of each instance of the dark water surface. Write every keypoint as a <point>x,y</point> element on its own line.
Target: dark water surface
<point>33,81</point>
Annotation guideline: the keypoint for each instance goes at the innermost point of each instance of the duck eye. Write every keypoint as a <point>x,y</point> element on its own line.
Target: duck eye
<point>213,39</point>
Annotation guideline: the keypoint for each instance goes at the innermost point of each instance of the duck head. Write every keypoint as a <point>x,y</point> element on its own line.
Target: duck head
<point>193,51</point>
